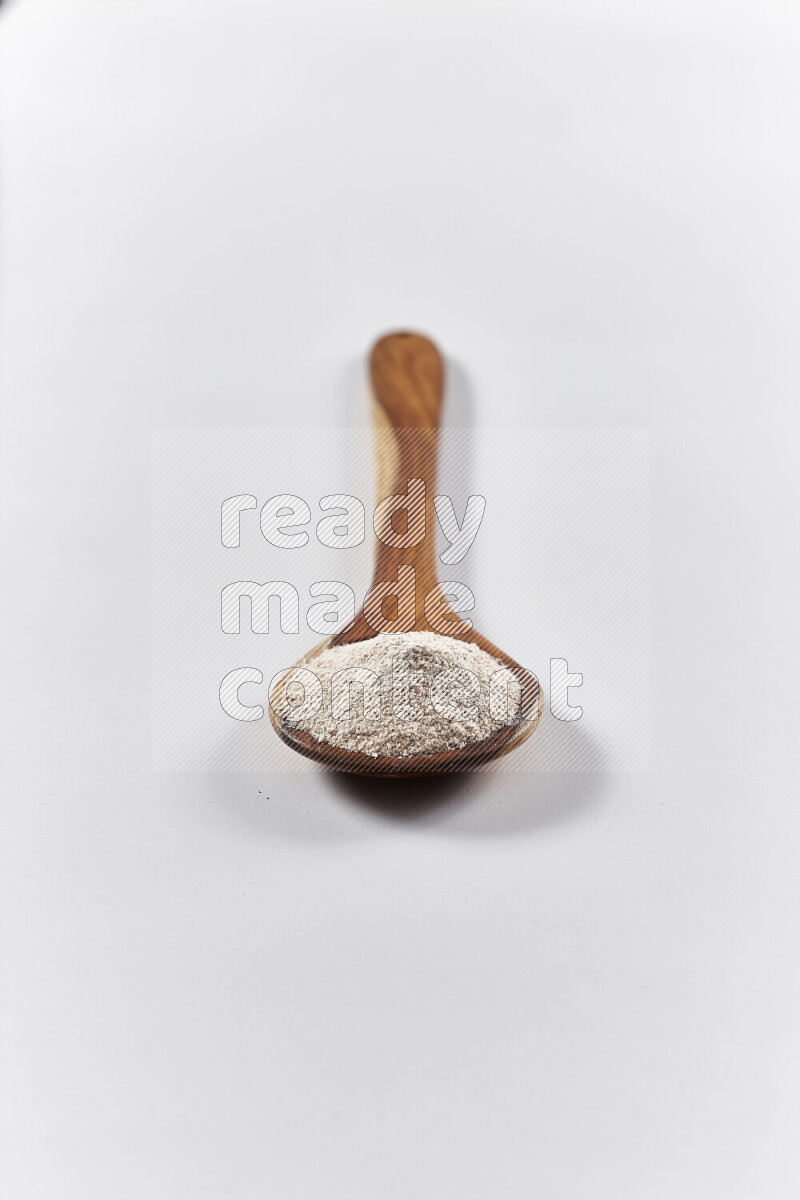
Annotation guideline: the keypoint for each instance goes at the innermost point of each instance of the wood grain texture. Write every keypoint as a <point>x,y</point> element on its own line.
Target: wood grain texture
<point>407,376</point>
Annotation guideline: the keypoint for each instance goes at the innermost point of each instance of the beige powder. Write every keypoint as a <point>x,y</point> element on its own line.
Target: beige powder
<point>400,694</point>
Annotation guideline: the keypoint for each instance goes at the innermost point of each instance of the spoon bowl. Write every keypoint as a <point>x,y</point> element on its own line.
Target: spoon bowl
<point>407,376</point>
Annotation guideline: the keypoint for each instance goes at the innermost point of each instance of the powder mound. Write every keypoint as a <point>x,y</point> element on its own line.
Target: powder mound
<point>400,694</point>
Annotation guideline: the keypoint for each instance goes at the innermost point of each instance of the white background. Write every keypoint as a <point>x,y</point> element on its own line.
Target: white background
<point>569,986</point>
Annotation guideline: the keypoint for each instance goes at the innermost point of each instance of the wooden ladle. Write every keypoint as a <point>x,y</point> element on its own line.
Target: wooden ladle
<point>407,377</point>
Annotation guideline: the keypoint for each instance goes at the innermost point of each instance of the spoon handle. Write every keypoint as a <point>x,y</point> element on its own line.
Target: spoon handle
<point>407,375</point>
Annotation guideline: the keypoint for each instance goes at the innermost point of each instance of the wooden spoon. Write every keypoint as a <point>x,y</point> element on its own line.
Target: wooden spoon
<point>407,377</point>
